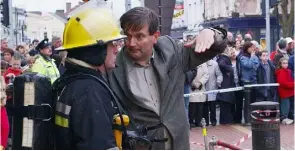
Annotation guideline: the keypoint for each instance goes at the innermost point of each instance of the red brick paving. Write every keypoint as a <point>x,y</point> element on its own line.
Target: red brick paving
<point>287,136</point>
<point>231,135</point>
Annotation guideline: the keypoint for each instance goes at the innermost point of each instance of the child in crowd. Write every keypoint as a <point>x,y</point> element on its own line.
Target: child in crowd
<point>8,54</point>
<point>286,90</point>
<point>4,117</point>
<point>265,74</point>
<point>21,49</point>
<point>14,70</point>
<point>31,60</point>
<point>4,66</point>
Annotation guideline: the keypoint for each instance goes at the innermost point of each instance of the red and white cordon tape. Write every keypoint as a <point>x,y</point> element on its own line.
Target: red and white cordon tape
<point>267,113</point>
<point>243,139</point>
<point>200,144</point>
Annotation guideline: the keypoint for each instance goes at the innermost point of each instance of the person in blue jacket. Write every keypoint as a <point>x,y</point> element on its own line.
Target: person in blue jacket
<point>249,63</point>
<point>291,65</point>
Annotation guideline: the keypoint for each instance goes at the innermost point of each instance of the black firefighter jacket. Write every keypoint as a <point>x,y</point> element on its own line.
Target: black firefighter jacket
<point>87,106</point>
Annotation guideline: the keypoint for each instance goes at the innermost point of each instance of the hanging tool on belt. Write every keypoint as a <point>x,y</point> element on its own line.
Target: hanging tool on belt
<point>133,140</point>
<point>139,139</point>
<point>117,130</point>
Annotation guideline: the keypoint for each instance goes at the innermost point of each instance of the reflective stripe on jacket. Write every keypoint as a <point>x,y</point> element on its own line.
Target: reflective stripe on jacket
<point>46,67</point>
<point>83,112</point>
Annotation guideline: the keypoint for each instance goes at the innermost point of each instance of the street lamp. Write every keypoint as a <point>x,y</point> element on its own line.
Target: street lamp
<point>267,22</point>
<point>276,7</point>
<point>23,27</point>
<point>45,33</point>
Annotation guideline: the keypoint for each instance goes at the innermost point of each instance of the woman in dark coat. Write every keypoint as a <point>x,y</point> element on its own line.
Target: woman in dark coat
<point>239,95</point>
<point>227,99</point>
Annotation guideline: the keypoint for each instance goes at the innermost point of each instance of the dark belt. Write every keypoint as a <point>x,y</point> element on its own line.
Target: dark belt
<point>34,112</point>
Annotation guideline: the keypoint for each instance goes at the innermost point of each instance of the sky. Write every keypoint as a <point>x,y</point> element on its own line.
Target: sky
<point>43,5</point>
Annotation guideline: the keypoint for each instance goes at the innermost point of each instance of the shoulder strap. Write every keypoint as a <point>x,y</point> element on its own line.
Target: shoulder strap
<point>62,83</point>
<point>115,101</point>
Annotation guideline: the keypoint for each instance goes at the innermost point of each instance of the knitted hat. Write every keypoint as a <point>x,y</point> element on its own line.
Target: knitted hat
<point>289,40</point>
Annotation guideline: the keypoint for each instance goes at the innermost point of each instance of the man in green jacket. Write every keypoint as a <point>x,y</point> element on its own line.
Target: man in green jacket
<point>149,79</point>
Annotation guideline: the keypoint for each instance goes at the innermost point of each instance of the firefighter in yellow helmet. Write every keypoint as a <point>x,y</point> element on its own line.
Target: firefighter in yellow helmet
<point>85,106</point>
<point>44,64</point>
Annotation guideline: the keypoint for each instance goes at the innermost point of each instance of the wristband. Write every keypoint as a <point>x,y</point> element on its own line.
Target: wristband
<point>219,31</point>
<point>215,30</point>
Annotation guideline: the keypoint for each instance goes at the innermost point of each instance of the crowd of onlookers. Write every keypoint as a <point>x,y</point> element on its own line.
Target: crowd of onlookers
<point>244,62</point>
<point>18,60</point>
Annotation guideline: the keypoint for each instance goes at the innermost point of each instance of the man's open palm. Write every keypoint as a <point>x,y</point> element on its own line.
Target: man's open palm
<point>203,41</point>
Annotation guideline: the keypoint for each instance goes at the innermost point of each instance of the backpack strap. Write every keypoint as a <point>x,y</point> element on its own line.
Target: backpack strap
<point>60,85</point>
<point>33,112</point>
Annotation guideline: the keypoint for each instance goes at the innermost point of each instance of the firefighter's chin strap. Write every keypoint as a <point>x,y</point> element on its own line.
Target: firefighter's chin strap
<point>87,65</point>
<point>80,63</point>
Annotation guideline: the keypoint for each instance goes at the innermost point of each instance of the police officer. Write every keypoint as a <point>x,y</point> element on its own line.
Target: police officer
<point>84,110</point>
<point>44,64</point>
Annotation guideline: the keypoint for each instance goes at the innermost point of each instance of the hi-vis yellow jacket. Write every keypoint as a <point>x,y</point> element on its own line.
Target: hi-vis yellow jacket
<point>46,67</point>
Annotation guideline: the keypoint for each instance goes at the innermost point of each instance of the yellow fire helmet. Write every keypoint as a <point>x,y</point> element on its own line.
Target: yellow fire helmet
<point>90,27</point>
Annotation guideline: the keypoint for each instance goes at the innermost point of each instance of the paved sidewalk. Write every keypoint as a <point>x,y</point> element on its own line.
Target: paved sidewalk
<point>233,133</point>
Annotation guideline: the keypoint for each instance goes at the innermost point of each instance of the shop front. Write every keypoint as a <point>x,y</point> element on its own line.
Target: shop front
<point>251,25</point>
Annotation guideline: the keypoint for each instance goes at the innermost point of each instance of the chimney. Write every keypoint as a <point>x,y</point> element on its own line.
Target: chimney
<point>68,7</point>
<point>60,12</point>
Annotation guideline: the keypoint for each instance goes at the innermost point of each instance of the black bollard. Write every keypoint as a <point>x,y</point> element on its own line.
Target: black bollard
<point>265,120</point>
<point>247,102</point>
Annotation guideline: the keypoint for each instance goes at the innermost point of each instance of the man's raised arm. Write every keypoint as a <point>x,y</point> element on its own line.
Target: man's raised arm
<point>209,43</point>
